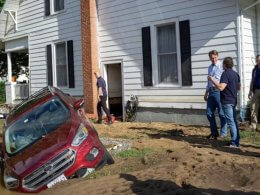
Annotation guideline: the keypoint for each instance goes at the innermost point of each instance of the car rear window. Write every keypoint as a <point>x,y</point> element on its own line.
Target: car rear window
<point>36,124</point>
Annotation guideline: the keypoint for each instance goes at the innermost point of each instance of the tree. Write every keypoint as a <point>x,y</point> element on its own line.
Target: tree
<point>1,4</point>
<point>19,60</point>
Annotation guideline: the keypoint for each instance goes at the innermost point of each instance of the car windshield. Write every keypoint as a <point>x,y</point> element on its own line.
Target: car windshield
<point>35,125</point>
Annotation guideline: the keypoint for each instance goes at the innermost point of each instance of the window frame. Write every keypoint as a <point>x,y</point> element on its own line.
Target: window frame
<point>54,67</point>
<point>154,45</point>
<point>53,12</point>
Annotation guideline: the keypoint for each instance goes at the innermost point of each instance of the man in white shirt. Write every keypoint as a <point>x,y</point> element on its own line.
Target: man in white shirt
<point>212,97</point>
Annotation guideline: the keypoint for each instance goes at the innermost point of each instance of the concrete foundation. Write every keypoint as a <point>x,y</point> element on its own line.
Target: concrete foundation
<point>179,116</point>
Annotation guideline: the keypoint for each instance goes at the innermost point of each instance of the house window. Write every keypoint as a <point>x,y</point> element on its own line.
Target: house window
<point>58,5</point>
<point>167,54</point>
<point>61,65</point>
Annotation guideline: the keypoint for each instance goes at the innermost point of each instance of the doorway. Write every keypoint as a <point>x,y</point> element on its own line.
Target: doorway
<point>114,87</point>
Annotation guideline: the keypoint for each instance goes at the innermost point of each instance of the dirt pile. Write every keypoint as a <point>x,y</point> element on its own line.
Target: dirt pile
<point>180,160</point>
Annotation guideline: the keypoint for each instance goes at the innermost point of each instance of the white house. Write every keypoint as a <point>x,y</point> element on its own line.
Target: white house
<point>170,78</point>
<point>154,49</point>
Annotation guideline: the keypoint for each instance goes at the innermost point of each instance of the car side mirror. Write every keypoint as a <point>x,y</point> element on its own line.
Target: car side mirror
<point>78,104</point>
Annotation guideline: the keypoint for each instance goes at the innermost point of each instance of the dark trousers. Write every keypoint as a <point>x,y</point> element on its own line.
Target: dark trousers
<point>213,104</point>
<point>102,104</point>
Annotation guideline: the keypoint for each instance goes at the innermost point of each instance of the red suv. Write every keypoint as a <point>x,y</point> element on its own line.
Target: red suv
<point>48,139</point>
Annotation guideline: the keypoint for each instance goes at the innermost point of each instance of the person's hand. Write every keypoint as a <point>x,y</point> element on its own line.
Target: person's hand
<point>210,78</point>
<point>250,95</point>
<point>206,97</point>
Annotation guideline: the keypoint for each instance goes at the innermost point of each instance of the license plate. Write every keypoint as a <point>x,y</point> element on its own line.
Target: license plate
<point>57,180</point>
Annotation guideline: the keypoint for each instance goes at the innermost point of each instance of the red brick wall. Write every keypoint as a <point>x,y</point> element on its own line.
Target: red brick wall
<point>90,59</point>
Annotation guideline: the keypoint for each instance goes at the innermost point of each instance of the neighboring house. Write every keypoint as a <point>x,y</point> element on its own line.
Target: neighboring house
<point>155,49</point>
<point>50,31</point>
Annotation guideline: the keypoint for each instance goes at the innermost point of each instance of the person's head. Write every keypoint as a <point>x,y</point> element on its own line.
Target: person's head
<point>257,59</point>
<point>213,56</point>
<point>97,74</point>
<point>228,63</point>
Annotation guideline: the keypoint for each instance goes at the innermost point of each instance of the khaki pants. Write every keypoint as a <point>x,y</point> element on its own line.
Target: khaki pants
<point>255,103</point>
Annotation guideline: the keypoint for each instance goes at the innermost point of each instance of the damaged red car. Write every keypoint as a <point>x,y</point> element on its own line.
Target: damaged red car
<point>48,139</point>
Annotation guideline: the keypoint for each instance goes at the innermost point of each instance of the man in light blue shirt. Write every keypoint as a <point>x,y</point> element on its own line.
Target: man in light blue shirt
<point>212,97</point>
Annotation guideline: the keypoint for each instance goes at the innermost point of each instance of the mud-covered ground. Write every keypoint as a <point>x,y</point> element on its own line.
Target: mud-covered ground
<point>167,158</point>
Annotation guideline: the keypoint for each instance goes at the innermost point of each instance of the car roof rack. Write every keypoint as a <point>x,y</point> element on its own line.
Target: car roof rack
<point>43,92</point>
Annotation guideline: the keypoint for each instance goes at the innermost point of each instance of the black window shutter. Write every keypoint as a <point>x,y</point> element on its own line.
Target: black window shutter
<point>185,42</point>
<point>71,64</point>
<point>47,7</point>
<point>49,65</point>
<point>147,57</point>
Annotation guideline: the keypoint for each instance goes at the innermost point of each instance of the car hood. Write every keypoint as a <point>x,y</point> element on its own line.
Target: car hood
<point>44,149</point>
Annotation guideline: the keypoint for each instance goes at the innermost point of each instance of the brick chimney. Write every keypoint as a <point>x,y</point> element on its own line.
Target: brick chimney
<point>90,54</point>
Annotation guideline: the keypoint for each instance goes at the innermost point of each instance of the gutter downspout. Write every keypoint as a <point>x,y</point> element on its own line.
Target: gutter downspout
<point>240,59</point>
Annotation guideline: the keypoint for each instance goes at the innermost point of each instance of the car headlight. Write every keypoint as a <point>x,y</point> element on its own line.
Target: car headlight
<point>81,135</point>
<point>10,182</point>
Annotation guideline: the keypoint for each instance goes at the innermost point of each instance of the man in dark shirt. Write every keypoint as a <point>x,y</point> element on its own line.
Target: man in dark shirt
<point>102,99</point>
<point>229,86</point>
<point>254,93</point>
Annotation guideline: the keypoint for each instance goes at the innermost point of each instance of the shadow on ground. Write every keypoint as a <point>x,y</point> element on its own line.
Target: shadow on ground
<point>152,186</point>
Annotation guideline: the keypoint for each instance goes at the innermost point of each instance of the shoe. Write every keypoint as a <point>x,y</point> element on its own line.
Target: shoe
<point>233,146</point>
<point>99,122</point>
<point>252,126</point>
<point>212,137</point>
<point>221,138</point>
<point>110,122</point>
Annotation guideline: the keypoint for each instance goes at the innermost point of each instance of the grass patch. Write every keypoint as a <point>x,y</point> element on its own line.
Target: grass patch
<point>252,137</point>
<point>248,137</point>
<point>2,123</point>
<point>131,153</point>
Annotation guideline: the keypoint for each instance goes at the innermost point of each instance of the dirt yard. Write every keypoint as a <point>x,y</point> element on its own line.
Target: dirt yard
<point>166,158</point>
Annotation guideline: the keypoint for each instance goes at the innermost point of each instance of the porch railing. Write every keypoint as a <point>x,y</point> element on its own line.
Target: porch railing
<point>16,92</point>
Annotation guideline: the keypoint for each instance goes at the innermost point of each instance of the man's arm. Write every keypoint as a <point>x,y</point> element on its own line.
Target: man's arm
<point>239,86</point>
<point>207,88</point>
<point>220,86</point>
<point>250,94</point>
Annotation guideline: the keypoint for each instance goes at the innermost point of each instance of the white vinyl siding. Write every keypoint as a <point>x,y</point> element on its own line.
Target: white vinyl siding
<point>213,26</point>
<point>258,26</point>
<point>249,41</point>
<point>43,31</point>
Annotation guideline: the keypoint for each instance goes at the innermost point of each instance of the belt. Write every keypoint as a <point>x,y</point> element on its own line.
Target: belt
<point>212,89</point>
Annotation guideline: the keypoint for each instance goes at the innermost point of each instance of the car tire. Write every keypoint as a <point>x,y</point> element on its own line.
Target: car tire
<point>109,158</point>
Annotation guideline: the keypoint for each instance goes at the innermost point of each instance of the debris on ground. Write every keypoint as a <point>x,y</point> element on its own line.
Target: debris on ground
<point>115,145</point>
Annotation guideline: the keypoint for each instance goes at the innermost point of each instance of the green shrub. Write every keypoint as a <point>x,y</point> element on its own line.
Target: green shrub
<point>2,92</point>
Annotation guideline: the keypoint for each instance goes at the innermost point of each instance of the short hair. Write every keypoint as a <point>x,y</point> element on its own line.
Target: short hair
<point>228,62</point>
<point>213,52</point>
<point>257,56</point>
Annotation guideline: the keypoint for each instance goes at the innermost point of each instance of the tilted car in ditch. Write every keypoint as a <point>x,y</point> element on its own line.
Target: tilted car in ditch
<point>47,139</point>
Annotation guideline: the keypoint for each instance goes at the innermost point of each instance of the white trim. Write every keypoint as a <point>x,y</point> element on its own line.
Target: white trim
<point>52,12</point>
<point>104,73</point>
<point>13,15</point>
<point>54,67</point>
<point>252,5</point>
<point>154,48</point>
<point>239,43</point>
<point>14,38</point>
